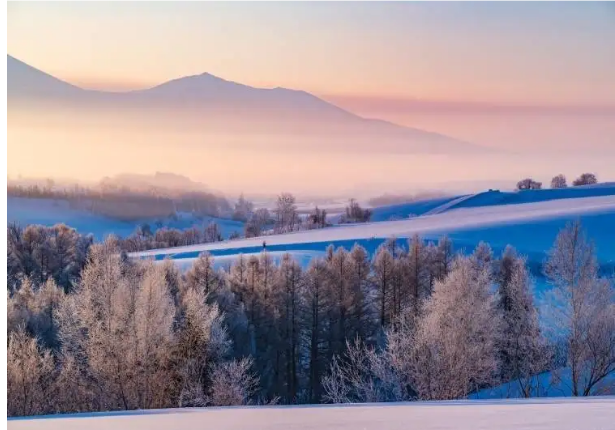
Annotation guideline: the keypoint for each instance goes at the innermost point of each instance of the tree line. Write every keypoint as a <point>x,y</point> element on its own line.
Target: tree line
<point>129,204</point>
<point>415,321</point>
<point>558,181</point>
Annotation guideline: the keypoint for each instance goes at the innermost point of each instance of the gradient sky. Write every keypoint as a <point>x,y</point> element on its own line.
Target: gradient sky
<point>548,68</point>
<point>502,53</point>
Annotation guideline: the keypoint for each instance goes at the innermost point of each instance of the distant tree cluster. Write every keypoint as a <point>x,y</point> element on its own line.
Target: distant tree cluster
<point>585,179</point>
<point>38,253</point>
<point>558,182</point>
<point>126,204</point>
<point>243,209</point>
<point>286,217</point>
<point>529,184</point>
<point>355,213</point>
<point>316,219</point>
<point>143,238</point>
<point>258,221</point>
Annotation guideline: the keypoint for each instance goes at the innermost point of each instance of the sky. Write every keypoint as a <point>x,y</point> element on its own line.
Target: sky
<point>524,75</point>
<point>495,52</point>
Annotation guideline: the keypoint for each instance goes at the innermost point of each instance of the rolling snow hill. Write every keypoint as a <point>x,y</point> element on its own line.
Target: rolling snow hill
<point>596,413</point>
<point>530,227</point>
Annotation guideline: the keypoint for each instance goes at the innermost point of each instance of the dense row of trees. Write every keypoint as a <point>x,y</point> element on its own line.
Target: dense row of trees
<point>558,181</point>
<point>355,213</point>
<point>143,238</point>
<point>129,204</point>
<point>59,252</point>
<point>414,321</point>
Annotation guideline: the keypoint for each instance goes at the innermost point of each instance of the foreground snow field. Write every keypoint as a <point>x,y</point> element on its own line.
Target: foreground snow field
<point>597,413</point>
<point>531,227</point>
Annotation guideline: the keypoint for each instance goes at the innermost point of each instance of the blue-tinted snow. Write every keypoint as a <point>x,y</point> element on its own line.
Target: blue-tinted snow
<point>53,211</point>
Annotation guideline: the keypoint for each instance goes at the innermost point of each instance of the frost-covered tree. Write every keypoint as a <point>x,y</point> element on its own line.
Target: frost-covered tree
<point>243,209</point>
<point>233,383</point>
<point>202,342</point>
<point>585,179</point>
<point>482,258</point>
<point>524,353</point>
<point>212,233</point>
<point>580,310</point>
<point>202,274</point>
<point>355,213</point>
<point>153,325</point>
<point>285,213</point>
<point>559,181</point>
<point>455,342</point>
<point>317,219</point>
<point>29,375</point>
<point>364,375</point>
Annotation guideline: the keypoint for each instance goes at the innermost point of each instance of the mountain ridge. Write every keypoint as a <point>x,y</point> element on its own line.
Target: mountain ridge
<point>223,105</point>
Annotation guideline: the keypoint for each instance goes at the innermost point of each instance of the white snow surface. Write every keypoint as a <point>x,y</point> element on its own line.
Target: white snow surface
<point>479,218</point>
<point>596,413</point>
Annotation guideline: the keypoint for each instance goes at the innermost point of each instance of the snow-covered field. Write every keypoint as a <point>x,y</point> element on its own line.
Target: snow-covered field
<point>53,211</point>
<point>597,413</point>
<point>531,227</point>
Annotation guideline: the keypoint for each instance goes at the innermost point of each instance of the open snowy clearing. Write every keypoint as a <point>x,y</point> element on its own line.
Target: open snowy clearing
<point>597,413</point>
<point>531,227</point>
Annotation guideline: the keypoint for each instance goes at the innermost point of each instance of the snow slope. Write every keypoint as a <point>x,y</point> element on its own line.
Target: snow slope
<point>488,198</point>
<point>530,227</point>
<point>551,384</point>
<point>597,413</point>
<point>53,211</point>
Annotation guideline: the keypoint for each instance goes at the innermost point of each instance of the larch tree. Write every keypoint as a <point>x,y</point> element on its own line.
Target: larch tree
<point>29,375</point>
<point>524,353</point>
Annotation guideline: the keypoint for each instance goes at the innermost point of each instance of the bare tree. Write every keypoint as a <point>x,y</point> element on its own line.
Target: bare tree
<point>286,213</point>
<point>559,181</point>
<point>581,310</point>
<point>585,179</point>
<point>529,184</point>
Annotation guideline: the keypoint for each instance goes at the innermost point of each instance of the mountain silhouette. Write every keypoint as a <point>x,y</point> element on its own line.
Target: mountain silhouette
<point>216,104</point>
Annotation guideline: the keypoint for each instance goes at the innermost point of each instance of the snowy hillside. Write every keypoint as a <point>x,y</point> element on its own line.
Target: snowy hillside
<point>488,198</point>
<point>546,414</point>
<point>49,212</point>
<point>531,227</point>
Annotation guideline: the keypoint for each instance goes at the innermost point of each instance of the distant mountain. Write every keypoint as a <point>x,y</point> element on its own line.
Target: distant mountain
<point>24,81</point>
<point>213,104</point>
